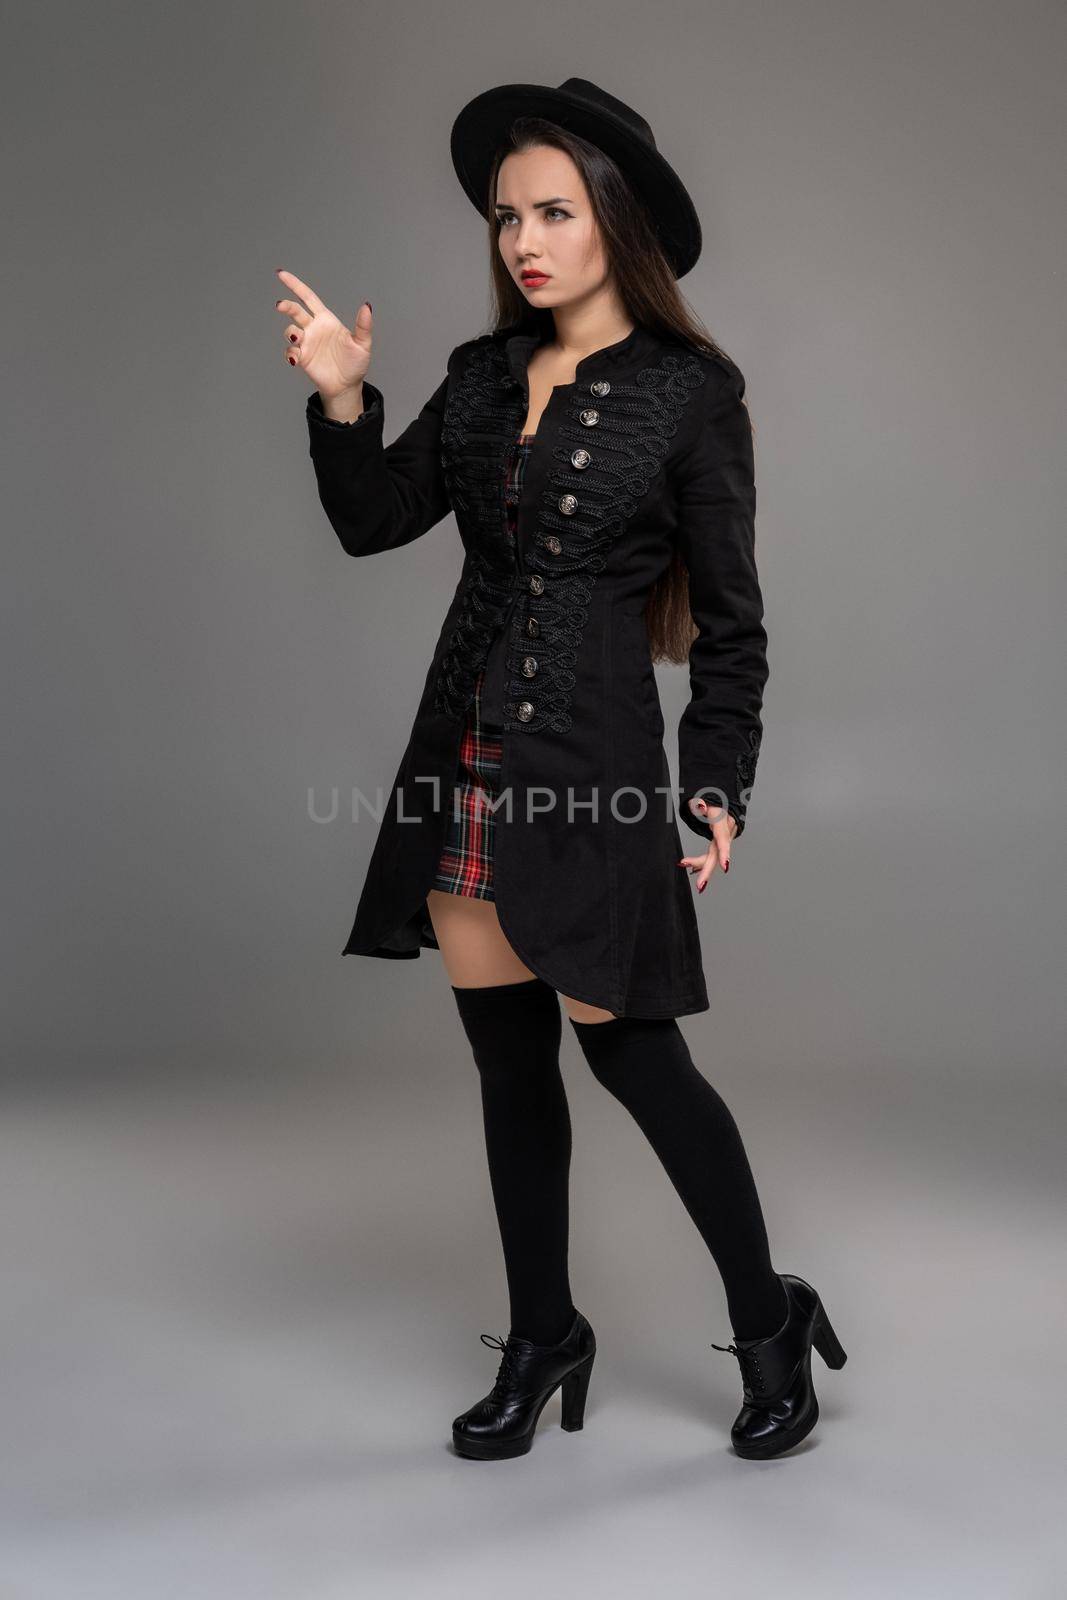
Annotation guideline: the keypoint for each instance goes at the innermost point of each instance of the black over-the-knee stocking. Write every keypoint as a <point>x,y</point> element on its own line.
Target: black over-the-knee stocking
<point>515,1030</point>
<point>646,1065</point>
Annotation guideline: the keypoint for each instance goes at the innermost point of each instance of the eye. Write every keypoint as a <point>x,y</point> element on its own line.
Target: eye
<point>503,217</point>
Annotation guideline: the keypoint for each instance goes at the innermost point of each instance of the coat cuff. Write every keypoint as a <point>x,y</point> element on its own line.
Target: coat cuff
<point>728,788</point>
<point>326,434</point>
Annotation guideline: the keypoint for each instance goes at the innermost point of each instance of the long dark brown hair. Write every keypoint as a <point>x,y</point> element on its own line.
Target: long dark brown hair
<point>650,294</point>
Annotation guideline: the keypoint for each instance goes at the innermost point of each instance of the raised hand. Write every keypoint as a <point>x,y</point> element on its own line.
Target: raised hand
<point>334,357</point>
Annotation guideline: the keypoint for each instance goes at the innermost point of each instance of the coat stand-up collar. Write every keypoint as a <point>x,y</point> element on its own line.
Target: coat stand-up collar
<point>519,347</point>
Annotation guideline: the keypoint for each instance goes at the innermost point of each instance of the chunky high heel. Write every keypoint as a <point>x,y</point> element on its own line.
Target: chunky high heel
<point>502,1424</point>
<point>781,1406</point>
<point>826,1341</point>
<point>573,1391</point>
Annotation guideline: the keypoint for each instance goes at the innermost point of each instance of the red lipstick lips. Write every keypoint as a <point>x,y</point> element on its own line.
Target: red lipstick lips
<point>532,279</point>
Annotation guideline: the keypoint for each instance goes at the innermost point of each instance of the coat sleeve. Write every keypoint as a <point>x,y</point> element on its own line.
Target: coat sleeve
<point>720,729</point>
<point>379,497</point>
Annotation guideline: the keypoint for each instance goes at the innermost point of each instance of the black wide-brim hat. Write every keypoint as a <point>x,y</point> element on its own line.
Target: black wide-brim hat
<point>590,112</point>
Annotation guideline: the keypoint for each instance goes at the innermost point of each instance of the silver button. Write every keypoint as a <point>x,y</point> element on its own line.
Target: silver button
<point>533,627</point>
<point>580,459</point>
<point>524,710</point>
<point>602,386</point>
<point>568,504</point>
<point>553,544</point>
<point>590,418</point>
<point>537,584</point>
<point>529,666</point>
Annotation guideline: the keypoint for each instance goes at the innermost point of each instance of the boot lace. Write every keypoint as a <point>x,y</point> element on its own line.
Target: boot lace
<point>748,1361</point>
<point>506,1374</point>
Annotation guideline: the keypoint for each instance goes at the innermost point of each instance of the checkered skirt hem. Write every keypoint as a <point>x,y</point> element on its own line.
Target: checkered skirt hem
<point>465,865</point>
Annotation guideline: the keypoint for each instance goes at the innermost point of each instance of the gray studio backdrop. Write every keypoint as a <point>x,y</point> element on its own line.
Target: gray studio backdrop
<point>191,656</point>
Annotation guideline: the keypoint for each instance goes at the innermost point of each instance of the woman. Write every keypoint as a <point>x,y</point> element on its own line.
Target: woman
<point>597,453</point>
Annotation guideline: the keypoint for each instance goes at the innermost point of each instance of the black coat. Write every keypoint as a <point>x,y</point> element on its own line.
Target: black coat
<point>649,447</point>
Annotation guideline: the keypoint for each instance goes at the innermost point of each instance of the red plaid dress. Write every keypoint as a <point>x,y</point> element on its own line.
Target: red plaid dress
<point>466,862</point>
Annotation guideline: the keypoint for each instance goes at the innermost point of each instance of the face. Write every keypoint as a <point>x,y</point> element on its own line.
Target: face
<point>560,239</point>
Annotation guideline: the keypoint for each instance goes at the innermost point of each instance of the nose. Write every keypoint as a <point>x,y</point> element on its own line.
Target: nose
<point>525,241</point>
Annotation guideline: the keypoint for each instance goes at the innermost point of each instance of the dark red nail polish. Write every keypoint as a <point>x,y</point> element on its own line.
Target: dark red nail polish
<point>292,338</point>
<point>291,360</point>
<point>726,866</point>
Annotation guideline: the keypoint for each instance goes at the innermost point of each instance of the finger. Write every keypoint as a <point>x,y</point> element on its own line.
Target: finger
<point>292,282</point>
<point>292,309</point>
<point>706,871</point>
<point>363,327</point>
<point>293,335</point>
<point>721,830</point>
<point>703,865</point>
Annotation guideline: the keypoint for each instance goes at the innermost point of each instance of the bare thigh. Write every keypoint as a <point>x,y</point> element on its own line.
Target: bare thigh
<point>476,953</point>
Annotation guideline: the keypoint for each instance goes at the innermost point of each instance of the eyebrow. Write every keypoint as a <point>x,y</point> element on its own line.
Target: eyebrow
<point>538,204</point>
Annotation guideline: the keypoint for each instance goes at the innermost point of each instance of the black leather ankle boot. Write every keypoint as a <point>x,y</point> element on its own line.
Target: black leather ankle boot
<point>502,1424</point>
<point>780,1405</point>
